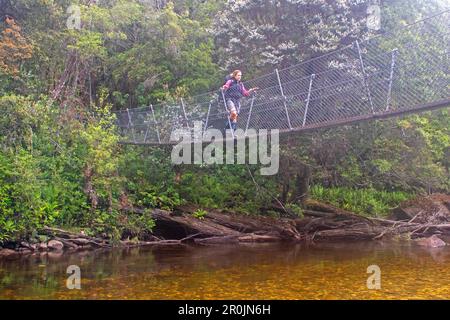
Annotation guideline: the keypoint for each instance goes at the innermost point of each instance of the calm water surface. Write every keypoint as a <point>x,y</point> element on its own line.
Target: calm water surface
<point>257,271</point>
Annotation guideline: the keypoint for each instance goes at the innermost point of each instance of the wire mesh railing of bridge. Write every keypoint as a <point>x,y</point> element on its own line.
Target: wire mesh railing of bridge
<point>395,72</point>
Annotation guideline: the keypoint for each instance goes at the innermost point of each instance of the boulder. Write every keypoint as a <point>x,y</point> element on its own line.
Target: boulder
<point>24,244</point>
<point>55,245</point>
<point>431,242</point>
<point>28,246</point>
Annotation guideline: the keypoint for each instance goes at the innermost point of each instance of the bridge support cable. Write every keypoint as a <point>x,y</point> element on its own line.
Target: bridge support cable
<point>130,125</point>
<point>205,127</point>
<point>391,77</point>
<point>184,114</point>
<point>364,75</point>
<point>249,114</point>
<point>284,99</point>
<point>308,99</point>
<point>156,124</point>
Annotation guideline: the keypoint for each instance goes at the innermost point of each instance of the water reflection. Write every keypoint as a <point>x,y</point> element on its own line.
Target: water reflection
<point>252,271</point>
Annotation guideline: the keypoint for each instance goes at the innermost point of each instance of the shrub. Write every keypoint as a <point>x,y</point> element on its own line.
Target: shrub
<point>368,202</point>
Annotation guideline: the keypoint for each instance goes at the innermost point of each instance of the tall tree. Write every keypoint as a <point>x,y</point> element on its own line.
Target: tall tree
<point>14,48</point>
<point>261,34</point>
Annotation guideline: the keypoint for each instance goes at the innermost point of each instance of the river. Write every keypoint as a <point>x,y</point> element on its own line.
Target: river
<point>254,271</point>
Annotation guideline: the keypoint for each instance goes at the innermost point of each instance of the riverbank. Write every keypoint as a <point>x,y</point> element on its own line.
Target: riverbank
<point>425,220</point>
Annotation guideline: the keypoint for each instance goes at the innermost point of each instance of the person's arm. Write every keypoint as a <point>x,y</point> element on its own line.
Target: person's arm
<point>246,92</point>
<point>227,85</point>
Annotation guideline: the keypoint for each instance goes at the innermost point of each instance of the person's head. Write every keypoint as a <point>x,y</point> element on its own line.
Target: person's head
<point>237,74</point>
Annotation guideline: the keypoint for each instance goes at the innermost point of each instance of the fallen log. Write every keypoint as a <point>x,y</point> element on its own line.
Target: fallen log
<point>218,240</point>
<point>67,234</point>
<point>258,238</point>
<point>67,243</point>
<point>215,225</point>
<point>320,214</point>
<point>74,243</point>
<point>317,206</point>
<point>348,234</point>
<point>193,224</point>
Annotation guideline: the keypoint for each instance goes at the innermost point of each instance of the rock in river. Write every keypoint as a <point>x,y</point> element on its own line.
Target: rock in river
<point>55,245</point>
<point>431,242</point>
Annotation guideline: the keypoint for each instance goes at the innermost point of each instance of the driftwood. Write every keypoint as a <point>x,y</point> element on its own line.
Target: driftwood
<point>218,240</point>
<point>322,222</point>
<point>258,238</point>
<point>219,227</point>
<point>75,240</point>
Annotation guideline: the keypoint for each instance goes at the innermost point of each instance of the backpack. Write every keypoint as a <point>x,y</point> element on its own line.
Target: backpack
<point>228,77</point>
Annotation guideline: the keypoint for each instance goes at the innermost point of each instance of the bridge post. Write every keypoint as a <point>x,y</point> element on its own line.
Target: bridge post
<point>207,119</point>
<point>146,132</point>
<point>284,99</point>
<point>156,123</point>
<point>363,69</point>
<point>226,113</point>
<point>130,124</point>
<point>308,98</point>
<point>249,114</point>
<point>391,76</point>
<point>184,112</point>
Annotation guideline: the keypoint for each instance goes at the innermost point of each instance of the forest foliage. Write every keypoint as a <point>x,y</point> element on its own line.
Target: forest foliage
<point>61,163</point>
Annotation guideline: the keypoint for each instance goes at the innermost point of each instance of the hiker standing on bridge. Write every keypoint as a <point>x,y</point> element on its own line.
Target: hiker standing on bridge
<point>234,90</point>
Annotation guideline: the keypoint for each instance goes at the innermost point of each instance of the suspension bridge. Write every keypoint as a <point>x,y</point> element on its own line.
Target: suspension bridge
<point>401,72</point>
